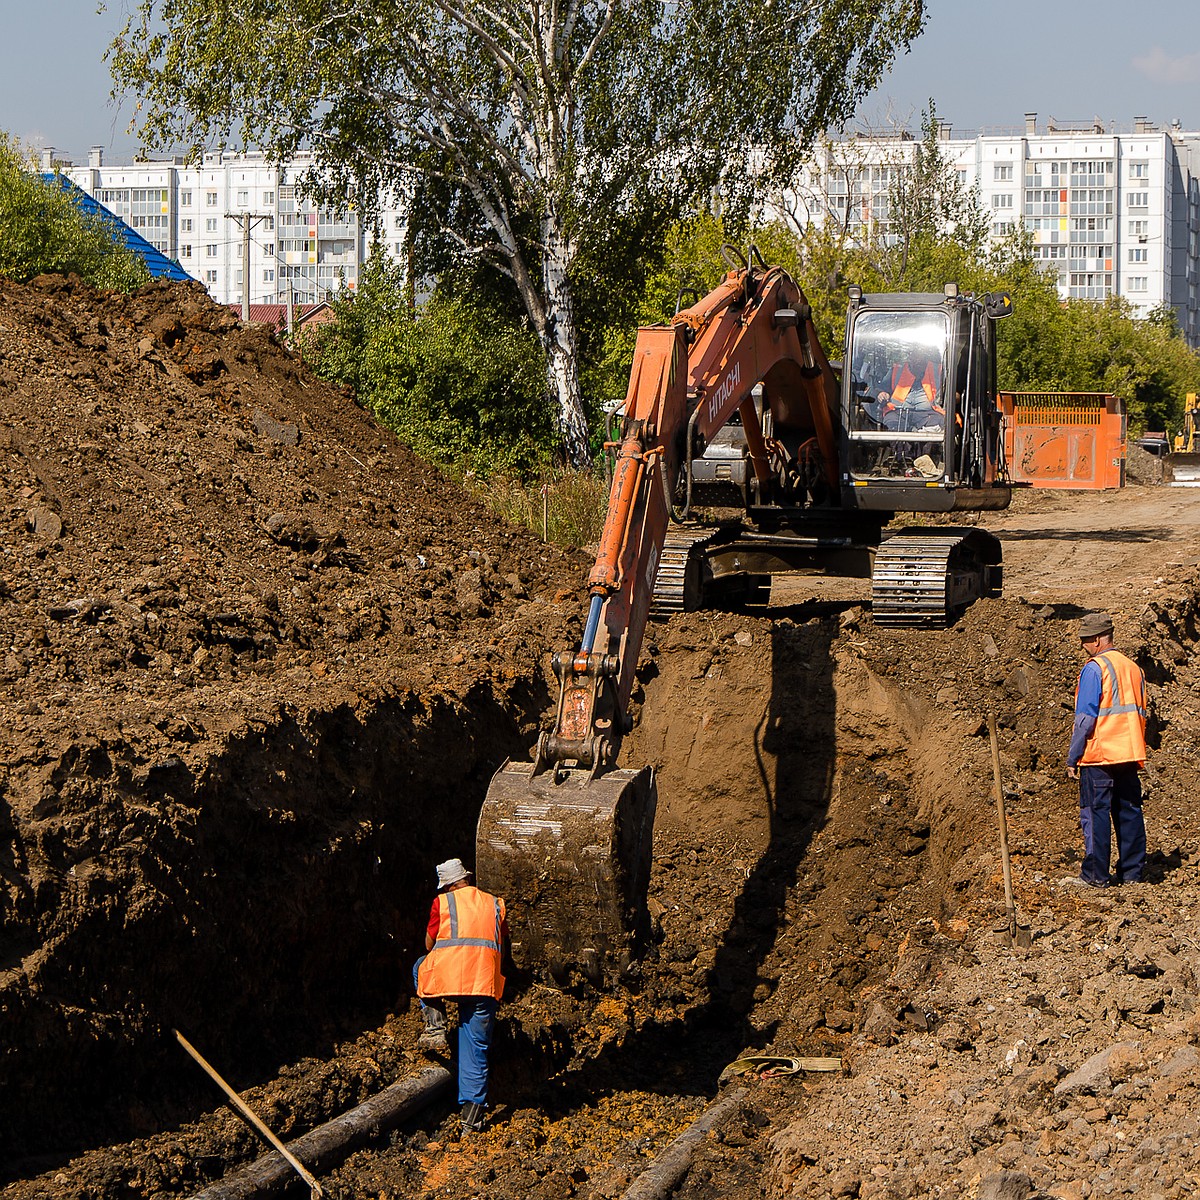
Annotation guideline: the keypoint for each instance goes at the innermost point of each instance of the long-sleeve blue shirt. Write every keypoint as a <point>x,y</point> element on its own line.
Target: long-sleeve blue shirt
<point>1087,709</point>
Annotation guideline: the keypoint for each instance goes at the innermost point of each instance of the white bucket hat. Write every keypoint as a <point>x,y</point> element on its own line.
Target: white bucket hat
<point>451,871</point>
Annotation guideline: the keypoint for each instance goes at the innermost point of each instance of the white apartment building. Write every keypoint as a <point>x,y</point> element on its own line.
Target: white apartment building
<point>1111,212</point>
<point>237,223</point>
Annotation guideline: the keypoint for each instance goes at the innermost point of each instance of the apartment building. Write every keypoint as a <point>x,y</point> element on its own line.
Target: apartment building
<point>238,223</point>
<point>1111,212</point>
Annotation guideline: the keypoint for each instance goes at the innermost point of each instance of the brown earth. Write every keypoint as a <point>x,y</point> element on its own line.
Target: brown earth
<point>207,830</point>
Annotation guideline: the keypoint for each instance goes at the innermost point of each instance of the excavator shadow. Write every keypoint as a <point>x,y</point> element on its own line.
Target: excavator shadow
<point>762,781</point>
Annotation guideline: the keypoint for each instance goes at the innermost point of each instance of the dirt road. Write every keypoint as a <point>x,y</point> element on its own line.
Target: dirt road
<point>1104,550</point>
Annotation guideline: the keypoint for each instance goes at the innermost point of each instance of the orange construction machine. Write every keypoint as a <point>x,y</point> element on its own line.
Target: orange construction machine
<point>734,403</point>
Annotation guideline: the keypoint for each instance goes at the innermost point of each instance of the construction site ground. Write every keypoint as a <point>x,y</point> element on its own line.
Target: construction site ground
<point>258,665</point>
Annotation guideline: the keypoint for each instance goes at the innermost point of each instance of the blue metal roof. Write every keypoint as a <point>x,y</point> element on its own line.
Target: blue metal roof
<point>160,266</point>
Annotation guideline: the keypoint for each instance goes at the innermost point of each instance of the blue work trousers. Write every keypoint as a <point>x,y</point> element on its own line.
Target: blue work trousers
<point>1111,798</point>
<point>476,1021</point>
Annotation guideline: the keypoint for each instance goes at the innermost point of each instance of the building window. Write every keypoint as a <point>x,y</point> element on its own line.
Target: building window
<point>1000,228</point>
<point>268,277</point>
<point>1139,229</point>
<point>210,198</point>
<point>269,249</point>
<point>1002,200</point>
<point>1139,170</point>
<point>237,279</point>
<point>268,198</point>
<point>185,252</point>
<point>210,277</point>
<point>1138,199</point>
<point>1002,172</point>
<point>269,224</point>
<point>210,225</point>
<point>211,250</point>
<point>185,198</point>
<point>1136,283</point>
<point>1139,254</point>
<point>243,199</point>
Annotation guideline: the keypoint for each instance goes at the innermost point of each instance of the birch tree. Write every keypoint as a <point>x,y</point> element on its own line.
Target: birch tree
<point>533,122</point>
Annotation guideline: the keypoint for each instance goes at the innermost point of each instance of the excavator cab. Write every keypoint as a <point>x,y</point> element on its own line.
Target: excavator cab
<point>923,432</point>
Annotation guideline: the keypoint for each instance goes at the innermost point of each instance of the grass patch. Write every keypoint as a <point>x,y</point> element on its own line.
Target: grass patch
<point>565,507</point>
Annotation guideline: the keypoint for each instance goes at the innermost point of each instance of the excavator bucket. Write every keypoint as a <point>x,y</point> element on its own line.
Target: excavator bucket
<point>570,853</point>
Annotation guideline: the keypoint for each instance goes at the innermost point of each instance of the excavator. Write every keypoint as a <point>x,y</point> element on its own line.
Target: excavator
<point>733,405</point>
<point>1185,450</point>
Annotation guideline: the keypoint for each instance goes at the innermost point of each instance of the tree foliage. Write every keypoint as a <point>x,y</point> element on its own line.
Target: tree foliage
<point>45,230</point>
<point>458,379</point>
<point>540,135</point>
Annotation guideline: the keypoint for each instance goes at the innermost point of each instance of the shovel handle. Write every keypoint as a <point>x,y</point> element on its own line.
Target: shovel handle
<point>251,1117</point>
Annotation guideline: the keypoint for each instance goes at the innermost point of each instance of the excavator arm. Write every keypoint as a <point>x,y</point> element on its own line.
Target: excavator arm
<point>567,839</point>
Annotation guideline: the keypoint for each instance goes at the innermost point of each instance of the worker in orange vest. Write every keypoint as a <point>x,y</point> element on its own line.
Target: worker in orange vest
<point>465,943</point>
<point>1108,747</point>
<point>912,402</point>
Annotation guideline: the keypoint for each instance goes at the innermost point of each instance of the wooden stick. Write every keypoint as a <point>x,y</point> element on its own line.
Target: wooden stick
<point>252,1118</point>
<point>1010,910</point>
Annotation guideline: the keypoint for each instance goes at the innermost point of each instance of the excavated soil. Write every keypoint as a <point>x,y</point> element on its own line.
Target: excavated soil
<point>258,666</point>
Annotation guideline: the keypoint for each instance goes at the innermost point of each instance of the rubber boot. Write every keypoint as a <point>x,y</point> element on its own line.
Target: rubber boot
<point>472,1118</point>
<point>434,1036</point>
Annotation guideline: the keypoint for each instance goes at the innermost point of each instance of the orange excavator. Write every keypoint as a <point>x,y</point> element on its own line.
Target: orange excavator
<point>733,403</point>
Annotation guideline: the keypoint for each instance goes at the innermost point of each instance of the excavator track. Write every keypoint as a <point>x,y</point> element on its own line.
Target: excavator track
<point>925,577</point>
<point>678,586</point>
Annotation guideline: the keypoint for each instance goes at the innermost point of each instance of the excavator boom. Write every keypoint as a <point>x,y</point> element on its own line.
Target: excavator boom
<point>567,838</point>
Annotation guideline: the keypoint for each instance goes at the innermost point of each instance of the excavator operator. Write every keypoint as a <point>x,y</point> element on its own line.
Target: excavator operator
<point>912,402</point>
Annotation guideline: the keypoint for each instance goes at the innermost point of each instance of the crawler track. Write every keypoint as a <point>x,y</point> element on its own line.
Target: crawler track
<point>925,578</point>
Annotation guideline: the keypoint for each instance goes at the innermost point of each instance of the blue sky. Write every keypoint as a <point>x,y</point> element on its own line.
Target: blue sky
<point>985,65</point>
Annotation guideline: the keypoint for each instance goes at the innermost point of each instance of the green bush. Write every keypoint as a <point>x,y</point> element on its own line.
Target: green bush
<point>462,384</point>
<point>46,232</point>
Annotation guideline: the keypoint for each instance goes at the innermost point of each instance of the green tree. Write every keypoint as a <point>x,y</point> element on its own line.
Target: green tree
<point>457,379</point>
<point>535,130</point>
<point>45,230</point>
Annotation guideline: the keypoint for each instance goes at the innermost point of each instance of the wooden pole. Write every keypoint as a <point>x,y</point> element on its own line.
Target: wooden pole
<point>1010,910</point>
<point>252,1118</point>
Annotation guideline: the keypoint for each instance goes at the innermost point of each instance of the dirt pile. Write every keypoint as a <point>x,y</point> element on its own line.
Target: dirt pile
<point>259,665</point>
<point>252,650</point>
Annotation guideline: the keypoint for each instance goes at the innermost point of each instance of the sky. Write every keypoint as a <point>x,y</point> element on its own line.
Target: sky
<point>984,64</point>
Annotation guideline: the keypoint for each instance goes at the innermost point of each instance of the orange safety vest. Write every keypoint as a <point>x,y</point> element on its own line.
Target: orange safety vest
<point>1120,733</point>
<point>465,959</point>
<point>903,381</point>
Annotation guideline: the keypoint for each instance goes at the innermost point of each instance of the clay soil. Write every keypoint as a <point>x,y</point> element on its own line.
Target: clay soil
<point>258,664</point>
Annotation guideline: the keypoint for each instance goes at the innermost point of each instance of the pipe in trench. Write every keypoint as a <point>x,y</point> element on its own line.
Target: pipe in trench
<point>674,1162</point>
<point>328,1144</point>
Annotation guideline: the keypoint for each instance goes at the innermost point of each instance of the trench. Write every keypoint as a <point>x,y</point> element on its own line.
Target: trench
<point>261,903</point>
<point>819,829</point>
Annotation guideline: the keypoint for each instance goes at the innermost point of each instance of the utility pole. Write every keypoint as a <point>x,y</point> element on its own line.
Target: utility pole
<point>246,221</point>
<point>291,316</point>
